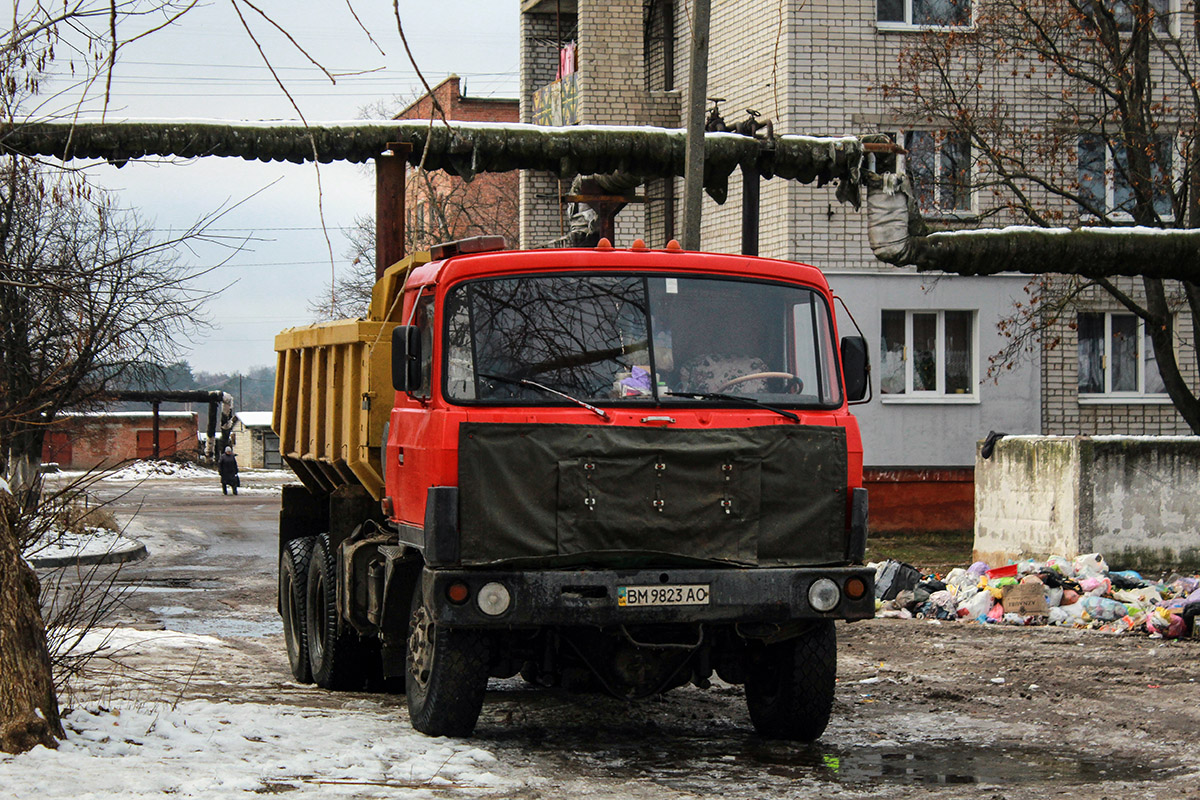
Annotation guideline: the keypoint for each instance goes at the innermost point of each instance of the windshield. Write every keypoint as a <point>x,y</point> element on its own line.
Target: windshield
<point>628,338</point>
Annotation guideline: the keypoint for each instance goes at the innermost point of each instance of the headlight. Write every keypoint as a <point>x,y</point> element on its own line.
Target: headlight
<point>494,599</point>
<point>823,595</point>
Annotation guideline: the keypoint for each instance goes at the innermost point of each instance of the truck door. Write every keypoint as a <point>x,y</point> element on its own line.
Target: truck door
<point>408,469</point>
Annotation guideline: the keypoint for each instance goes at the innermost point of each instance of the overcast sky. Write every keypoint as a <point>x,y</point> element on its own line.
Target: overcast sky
<point>208,67</point>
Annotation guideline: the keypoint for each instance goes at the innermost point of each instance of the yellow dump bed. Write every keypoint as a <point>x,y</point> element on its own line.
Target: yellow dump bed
<point>333,391</point>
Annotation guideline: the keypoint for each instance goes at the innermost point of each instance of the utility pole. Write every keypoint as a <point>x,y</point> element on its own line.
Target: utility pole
<point>693,179</point>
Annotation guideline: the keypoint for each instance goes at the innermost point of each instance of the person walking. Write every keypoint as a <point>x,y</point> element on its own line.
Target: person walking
<point>227,466</point>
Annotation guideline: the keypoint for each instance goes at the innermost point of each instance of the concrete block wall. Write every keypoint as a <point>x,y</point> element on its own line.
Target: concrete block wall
<point>541,218</point>
<point>612,69</point>
<point>1131,499</point>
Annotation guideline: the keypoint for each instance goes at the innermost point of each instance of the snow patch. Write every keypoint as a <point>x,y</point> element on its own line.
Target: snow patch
<point>220,750</point>
<point>64,544</point>
<point>143,470</point>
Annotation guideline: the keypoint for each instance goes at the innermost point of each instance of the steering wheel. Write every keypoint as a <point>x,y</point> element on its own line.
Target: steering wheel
<point>754,376</point>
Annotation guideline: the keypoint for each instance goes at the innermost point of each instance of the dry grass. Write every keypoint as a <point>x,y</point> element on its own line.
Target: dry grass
<point>928,552</point>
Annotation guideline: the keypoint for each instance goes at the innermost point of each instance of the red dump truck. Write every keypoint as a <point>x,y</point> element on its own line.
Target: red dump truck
<point>602,469</point>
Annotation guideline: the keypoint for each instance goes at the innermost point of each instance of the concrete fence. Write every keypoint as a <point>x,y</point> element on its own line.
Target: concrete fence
<point>1133,499</point>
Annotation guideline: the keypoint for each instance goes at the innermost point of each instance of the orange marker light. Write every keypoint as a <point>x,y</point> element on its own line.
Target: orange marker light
<point>457,593</point>
<point>855,588</point>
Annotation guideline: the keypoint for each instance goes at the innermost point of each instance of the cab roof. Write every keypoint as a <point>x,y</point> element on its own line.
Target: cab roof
<point>605,257</point>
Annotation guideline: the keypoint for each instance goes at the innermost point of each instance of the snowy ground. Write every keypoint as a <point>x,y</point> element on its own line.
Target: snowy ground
<point>213,750</point>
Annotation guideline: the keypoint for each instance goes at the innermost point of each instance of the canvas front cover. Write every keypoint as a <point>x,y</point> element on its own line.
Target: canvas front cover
<point>575,494</point>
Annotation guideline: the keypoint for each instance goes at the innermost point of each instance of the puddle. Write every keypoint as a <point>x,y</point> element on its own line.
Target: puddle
<point>769,765</point>
<point>945,765</point>
<point>752,767</point>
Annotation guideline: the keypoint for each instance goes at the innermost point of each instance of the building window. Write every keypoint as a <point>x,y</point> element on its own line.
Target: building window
<point>1116,357</point>
<point>923,13</point>
<point>939,165</point>
<point>1165,12</point>
<point>1104,184</point>
<point>927,354</point>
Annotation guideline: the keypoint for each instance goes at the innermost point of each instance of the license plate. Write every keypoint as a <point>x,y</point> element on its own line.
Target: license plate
<point>695,594</point>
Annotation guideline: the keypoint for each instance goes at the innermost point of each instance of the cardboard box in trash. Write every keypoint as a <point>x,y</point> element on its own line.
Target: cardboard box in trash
<point>1026,599</point>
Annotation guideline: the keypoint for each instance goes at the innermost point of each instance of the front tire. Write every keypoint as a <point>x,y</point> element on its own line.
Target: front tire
<point>447,674</point>
<point>294,564</point>
<point>790,685</point>
<point>334,657</point>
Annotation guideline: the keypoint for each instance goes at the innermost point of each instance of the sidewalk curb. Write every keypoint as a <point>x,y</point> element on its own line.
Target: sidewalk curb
<point>127,550</point>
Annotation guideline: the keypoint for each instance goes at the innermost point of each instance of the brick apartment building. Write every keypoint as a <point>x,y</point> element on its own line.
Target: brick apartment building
<point>816,68</point>
<point>442,207</point>
<point>107,439</point>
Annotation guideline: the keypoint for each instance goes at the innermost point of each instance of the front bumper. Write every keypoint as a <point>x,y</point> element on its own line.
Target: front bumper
<point>544,598</point>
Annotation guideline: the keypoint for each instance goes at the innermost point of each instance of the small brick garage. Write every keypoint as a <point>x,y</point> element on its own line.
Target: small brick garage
<point>86,441</point>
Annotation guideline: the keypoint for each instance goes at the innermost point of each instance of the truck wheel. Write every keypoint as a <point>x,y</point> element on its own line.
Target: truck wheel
<point>294,563</point>
<point>331,655</point>
<point>790,685</point>
<point>447,674</point>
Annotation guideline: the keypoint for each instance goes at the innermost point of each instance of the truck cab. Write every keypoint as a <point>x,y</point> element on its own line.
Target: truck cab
<point>609,470</point>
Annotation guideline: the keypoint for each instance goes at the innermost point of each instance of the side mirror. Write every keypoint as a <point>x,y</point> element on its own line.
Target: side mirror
<point>406,358</point>
<point>856,367</point>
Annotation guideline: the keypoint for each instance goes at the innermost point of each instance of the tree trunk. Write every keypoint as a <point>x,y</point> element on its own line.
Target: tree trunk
<point>1161,329</point>
<point>28,705</point>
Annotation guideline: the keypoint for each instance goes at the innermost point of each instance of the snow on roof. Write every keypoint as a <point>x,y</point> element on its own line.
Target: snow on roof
<point>254,419</point>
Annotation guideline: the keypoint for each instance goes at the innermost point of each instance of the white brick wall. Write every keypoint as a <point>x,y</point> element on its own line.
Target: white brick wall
<point>814,67</point>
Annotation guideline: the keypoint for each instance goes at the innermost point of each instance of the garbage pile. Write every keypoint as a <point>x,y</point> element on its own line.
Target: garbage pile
<point>1082,593</point>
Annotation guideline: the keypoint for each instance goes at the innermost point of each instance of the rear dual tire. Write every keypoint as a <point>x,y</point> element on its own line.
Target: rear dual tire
<point>294,561</point>
<point>336,656</point>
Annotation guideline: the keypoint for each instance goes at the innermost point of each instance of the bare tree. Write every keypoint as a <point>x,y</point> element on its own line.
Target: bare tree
<point>1101,131</point>
<point>87,298</point>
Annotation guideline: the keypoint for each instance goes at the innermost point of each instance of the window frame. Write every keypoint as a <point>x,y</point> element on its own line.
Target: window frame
<point>972,209</point>
<point>828,360</point>
<point>1108,396</point>
<point>937,396</point>
<point>1111,174</point>
<point>909,25</point>
<point>1172,27</point>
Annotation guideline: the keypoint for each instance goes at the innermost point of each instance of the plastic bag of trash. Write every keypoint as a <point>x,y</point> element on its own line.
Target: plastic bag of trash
<point>1165,624</point>
<point>1091,565</point>
<point>892,576</point>
<point>1096,587</point>
<point>1071,614</point>
<point>979,604</point>
<point>1104,609</point>
<point>1029,566</point>
<point>1061,565</point>
<point>962,580</point>
<point>1127,579</point>
<point>1144,599</point>
<point>1181,584</point>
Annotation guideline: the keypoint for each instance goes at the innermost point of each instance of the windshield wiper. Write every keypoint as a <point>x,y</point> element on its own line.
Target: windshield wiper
<point>733,398</point>
<point>600,412</point>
